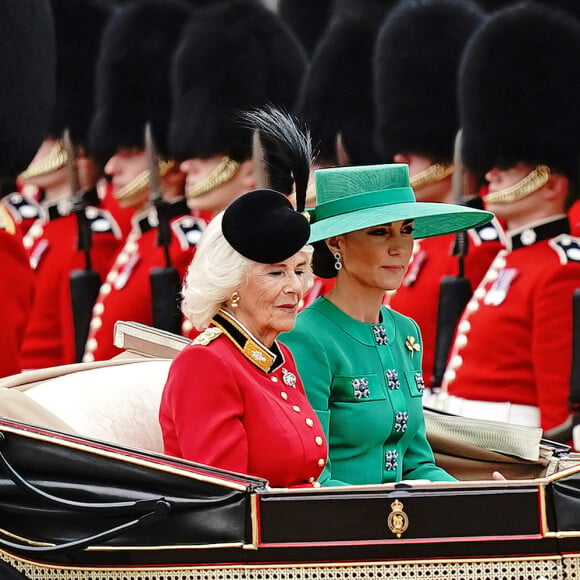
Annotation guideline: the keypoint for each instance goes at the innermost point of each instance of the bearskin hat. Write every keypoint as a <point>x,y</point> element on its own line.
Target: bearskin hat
<point>78,26</point>
<point>234,56</point>
<point>133,75</point>
<point>337,96</point>
<point>307,20</point>
<point>519,89</point>
<point>27,75</point>
<point>418,53</point>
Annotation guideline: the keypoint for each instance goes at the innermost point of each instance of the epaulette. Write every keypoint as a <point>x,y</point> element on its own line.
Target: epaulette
<point>21,207</point>
<point>208,335</point>
<point>489,232</point>
<point>567,247</point>
<point>6,221</point>
<point>102,222</point>
<point>188,230</point>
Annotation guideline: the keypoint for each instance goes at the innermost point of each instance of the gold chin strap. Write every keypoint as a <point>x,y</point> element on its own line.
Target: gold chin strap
<point>533,181</point>
<point>56,159</point>
<point>141,182</point>
<point>222,173</point>
<point>433,174</point>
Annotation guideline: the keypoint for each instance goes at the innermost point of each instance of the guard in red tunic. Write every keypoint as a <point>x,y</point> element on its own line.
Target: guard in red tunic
<point>133,89</point>
<point>27,68</point>
<point>417,120</point>
<point>521,124</point>
<point>52,241</point>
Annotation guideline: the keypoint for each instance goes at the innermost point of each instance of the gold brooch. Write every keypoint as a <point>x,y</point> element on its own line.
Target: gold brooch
<point>412,344</point>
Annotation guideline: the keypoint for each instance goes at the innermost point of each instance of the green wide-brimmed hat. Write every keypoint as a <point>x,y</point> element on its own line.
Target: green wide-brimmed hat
<point>354,198</point>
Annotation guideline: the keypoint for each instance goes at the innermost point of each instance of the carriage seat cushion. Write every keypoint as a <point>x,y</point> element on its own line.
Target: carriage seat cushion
<point>117,404</point>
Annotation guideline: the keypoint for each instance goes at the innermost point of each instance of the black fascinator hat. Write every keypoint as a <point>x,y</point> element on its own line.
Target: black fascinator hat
<point>263,226</point>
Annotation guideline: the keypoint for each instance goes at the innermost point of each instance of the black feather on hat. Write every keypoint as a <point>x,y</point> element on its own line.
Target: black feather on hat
<point>78,25</point>
<point>285,151</point>
<point>133,75</point>
<point>27,78</point>
<point>234,56</point>
<point>519,89</point>
<point>418,52</point>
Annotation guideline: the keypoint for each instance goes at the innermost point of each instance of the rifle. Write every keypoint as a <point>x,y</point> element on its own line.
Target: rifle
<point>454,291</point>
<point>164,281</point>
<point>564,432</point>
<point>84,284</point>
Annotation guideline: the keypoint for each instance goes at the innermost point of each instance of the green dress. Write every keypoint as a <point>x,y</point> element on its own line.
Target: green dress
<point>365,383</point>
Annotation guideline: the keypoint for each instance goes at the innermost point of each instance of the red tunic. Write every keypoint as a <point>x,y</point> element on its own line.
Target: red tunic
<point>513,343</point>
<point>16,291</point>
<point>231,403</point>
<point>52,249</point>
<point>126,292</point>
<point>418,295</point>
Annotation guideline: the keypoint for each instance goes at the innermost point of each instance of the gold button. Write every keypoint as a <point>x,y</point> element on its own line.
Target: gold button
<point>321,462</point>
<point>274,379</point>
<point>284,395</point>
<point>311,480</point>
<point>296,408</point>
<point>310,422</point>
<point>318,440</point>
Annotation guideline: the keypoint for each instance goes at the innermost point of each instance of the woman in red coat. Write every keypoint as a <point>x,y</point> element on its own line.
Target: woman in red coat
<point>233,398</point>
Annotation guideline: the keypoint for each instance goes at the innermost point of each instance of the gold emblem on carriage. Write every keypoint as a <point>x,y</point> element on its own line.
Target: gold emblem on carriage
<point>398,520</point>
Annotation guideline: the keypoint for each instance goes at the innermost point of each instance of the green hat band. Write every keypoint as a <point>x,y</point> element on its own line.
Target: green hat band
<point>364,200</point>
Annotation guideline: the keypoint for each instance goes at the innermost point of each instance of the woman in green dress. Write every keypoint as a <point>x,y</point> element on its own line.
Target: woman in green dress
<point>360,361</point>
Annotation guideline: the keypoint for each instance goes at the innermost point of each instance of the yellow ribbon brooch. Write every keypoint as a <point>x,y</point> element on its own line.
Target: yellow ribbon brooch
<point>412,344</point>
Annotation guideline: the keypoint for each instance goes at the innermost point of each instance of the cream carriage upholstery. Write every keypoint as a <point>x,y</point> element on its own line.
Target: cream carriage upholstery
<point>116,401</point>
<point>117,404</point>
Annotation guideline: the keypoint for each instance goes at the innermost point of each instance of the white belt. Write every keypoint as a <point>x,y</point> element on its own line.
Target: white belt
<point>527,415</point>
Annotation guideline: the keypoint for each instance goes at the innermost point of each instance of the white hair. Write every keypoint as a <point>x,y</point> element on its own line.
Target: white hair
<point>214,273</point>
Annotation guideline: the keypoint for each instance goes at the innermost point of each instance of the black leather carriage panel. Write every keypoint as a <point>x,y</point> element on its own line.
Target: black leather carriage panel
<point>66,494</point>
<point>429,515</point>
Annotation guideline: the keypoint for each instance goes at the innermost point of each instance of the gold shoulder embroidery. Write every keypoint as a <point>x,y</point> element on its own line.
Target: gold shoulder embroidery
<point>208,335</point>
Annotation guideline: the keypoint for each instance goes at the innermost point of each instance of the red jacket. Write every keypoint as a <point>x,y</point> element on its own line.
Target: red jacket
<point>418,295</point>
<point>231,403</point>
<point>16,293</point>
<point>52,249</point>
<point>126,291</point>
<point>514,340</point>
